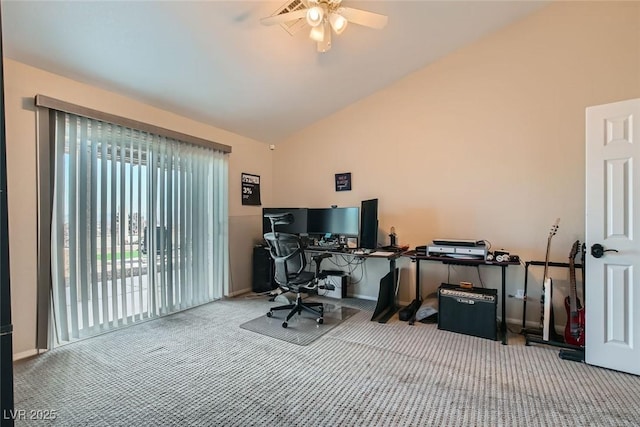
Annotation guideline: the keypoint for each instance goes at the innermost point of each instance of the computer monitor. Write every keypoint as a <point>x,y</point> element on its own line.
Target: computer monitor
<point>298,226</point>
<point>369,224</point>
<point>337,221</point>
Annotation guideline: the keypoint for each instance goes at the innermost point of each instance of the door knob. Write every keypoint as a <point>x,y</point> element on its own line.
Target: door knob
<point>598,250</point>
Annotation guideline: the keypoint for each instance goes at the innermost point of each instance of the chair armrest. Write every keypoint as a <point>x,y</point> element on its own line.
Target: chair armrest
<point>320,257</point>
<point>318,260</point>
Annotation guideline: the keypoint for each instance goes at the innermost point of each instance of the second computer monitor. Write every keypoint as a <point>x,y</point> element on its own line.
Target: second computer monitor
<point>369,224</point>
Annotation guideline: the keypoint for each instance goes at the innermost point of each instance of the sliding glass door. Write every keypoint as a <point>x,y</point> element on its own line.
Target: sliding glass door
<point>139,226</point>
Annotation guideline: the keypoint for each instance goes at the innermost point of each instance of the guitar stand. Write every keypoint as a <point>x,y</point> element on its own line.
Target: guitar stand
<point>570,352</point>
<point>573,355</point>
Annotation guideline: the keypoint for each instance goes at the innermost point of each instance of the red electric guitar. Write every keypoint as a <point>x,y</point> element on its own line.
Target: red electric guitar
<point>574,330</point>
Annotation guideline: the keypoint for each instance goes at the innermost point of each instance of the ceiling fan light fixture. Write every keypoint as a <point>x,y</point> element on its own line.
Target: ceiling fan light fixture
<point>315,16</point>
<point>324,17</point>
<point>317,33</point>
<point>338,22</point>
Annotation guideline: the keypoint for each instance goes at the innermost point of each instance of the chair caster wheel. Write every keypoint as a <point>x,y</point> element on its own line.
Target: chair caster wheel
<point>270,314</point>
<point>284,324</point>
<point>320,320</point>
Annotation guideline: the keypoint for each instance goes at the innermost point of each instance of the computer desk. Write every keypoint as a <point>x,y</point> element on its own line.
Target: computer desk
<point>467,262</point>
<point>386,305</point>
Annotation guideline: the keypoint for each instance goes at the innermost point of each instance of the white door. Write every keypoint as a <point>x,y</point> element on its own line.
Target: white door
<point>612,295</point>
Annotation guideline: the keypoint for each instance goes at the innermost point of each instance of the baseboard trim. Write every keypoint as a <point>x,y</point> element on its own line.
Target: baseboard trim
<point>239,292</point>
<point>26,354</point>
<point>367,297</point>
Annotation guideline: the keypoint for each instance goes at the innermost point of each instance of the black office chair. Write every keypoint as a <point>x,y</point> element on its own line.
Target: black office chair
<point>287,251</point>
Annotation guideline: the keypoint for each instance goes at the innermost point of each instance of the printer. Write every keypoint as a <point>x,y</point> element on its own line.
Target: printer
<point>458,248</point>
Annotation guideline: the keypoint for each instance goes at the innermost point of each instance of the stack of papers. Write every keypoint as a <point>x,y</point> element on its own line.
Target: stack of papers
<point>382,253</point>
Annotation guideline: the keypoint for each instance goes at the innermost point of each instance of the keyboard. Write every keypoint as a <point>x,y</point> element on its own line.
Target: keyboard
<point>322,247</point>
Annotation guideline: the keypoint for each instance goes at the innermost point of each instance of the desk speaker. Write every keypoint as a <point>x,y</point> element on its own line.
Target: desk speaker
<point>468,311</point>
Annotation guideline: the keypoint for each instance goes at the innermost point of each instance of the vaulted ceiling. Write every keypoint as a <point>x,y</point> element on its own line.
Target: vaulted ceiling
<point>214,62</point>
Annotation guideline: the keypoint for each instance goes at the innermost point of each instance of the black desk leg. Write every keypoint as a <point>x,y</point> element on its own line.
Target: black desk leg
<point>412,320</point>
<point>393,308</point>
<point>383,314</point>
<point>392,269</point>
<point>503,323</point>
<point>418,291</point>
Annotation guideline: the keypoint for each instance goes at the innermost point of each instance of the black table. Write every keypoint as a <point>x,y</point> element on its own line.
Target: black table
<point>468,262</point>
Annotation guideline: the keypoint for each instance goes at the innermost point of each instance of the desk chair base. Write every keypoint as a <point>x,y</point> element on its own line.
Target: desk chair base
<point>297,307</point>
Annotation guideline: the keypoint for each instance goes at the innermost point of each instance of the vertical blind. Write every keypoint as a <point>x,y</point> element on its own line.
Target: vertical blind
<point>139,226</point>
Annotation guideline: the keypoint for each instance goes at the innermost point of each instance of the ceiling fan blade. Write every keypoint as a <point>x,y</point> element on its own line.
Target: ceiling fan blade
<point>284,17</point>
<point>363,17</point>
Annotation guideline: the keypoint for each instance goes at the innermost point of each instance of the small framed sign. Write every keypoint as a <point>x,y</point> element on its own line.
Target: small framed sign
<point>250,189</point>
<point>343,181</point>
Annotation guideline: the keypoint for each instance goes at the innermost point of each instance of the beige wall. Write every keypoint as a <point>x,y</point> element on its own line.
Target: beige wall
<point>487,143</point>
<point>22,83</point>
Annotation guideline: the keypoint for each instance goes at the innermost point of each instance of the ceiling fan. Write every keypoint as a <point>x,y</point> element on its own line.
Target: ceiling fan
<point>326,15</point>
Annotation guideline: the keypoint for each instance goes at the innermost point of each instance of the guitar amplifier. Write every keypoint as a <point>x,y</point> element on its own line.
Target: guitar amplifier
<point>468,311</point>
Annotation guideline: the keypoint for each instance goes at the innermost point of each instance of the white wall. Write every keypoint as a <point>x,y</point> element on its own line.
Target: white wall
<point>22,83</point>
<point>487,143</point>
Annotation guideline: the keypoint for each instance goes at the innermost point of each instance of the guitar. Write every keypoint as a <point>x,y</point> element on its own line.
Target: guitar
<point>546,316</point>
<point>574,330</point>
<point>583,250</point>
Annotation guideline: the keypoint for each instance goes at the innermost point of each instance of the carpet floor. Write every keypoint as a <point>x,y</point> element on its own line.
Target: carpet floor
<point>199,368</point>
